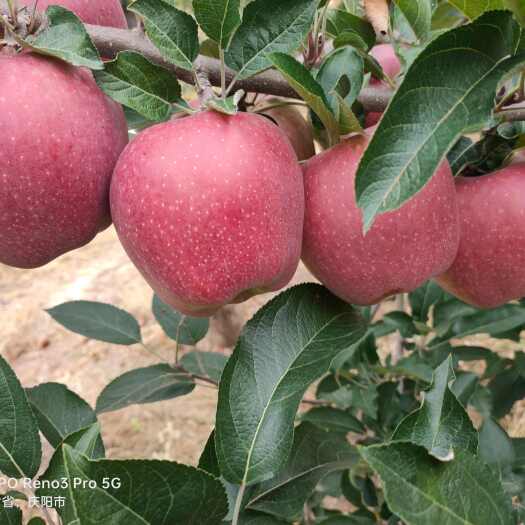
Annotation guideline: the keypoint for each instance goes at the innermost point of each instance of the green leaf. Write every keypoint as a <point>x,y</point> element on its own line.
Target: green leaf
<point>348,520</point>
<point>441,424</point>
<point>518,8</point>
<point>258,518</point>
<point>186,330</point>
<point>287,345</point>
<point>226,106</point>
<point>464,386</point>
<point>36,521</point>
<point>506,388</point>
<point>219,19</point>
<point>88,442</point>
<point>309,89</point>
<point>66,38</point>
<point>333,420</point>
<point>315,453</point>
<point>59,411</point>
<point>475,8</point>
<point>20,449</point>
<point>135,82</point>
<point>341,24</point>
<point>449,89</point>
<point>495,447</point>
<point>422,299</point>
<point>402,322</point>
<point>133,492</point>
<point>342,65</point>
<point>144,385</point>
<point>492,322</point>
<point>208,460</point>
<point>424,491</point>
<point>209,364</point>
<point>174,32</point>
<point>99,321</point>
<point>10,515</point>
<point>269,26</point>
<point>418,15</point>
<point>414,367</point>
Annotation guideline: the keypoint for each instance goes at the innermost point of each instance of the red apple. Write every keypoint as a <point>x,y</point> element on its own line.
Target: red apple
<point>402,250</point>
<point>210,208</point>
<point>387,58</point>
<point>295,126</point>
<point>98,12</point>
<point>61,137</point>
<point>489,269</point>
<point>372,118</point>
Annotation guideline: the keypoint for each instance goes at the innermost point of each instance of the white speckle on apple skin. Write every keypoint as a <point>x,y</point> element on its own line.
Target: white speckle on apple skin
<point>210,208</point>
<point>61,138</point>
<point>402,250</point>
<point>489,270</point>
<point>98,12</point>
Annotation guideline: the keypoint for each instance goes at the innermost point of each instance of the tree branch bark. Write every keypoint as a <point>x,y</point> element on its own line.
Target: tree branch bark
<point>110,41</point>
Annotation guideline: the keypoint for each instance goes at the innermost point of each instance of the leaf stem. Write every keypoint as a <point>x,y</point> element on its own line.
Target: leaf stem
<point>238,504</point>
<point>153,352</point>
<point>223,73</point>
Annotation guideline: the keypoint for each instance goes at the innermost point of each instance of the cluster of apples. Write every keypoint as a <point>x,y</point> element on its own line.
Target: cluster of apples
<point>213,209</point>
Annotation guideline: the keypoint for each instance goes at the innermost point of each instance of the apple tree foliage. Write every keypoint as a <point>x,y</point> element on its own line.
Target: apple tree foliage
<point>312,408</point>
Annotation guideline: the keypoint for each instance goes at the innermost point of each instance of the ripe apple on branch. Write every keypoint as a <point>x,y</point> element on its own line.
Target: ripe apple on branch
<point>220,192</point>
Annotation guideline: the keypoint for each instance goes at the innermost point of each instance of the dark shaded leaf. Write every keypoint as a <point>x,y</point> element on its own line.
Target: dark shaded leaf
<point>449,89</point>
<point>88,442</point>
<point>174,32</point>
<point>269,26</point>
<point>20,449</point>
<point>333,420</point>
<point>441,425</point>
<point>99,321</point>
<point>133,81</point>
<point>66,38</point>
<point>315,453</point>
<point>219,19</point>
<point>287,345</point>
<point>59,411</point>
<point>419,490</point>
<point>182,328</point>
<point>310,90</point>
<point>209,364</point>
<point>144,385</point>
<point>134,492</point>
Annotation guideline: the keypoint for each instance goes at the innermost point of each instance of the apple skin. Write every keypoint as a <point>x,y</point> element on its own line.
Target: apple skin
<point>403,249</point>
<point>489,270</point>
<point>387,58</point>
<point>210,208</point>
<point>98,12</point>
<point>298,130</point>
<point>61,138</point>
<point>389,61</point>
